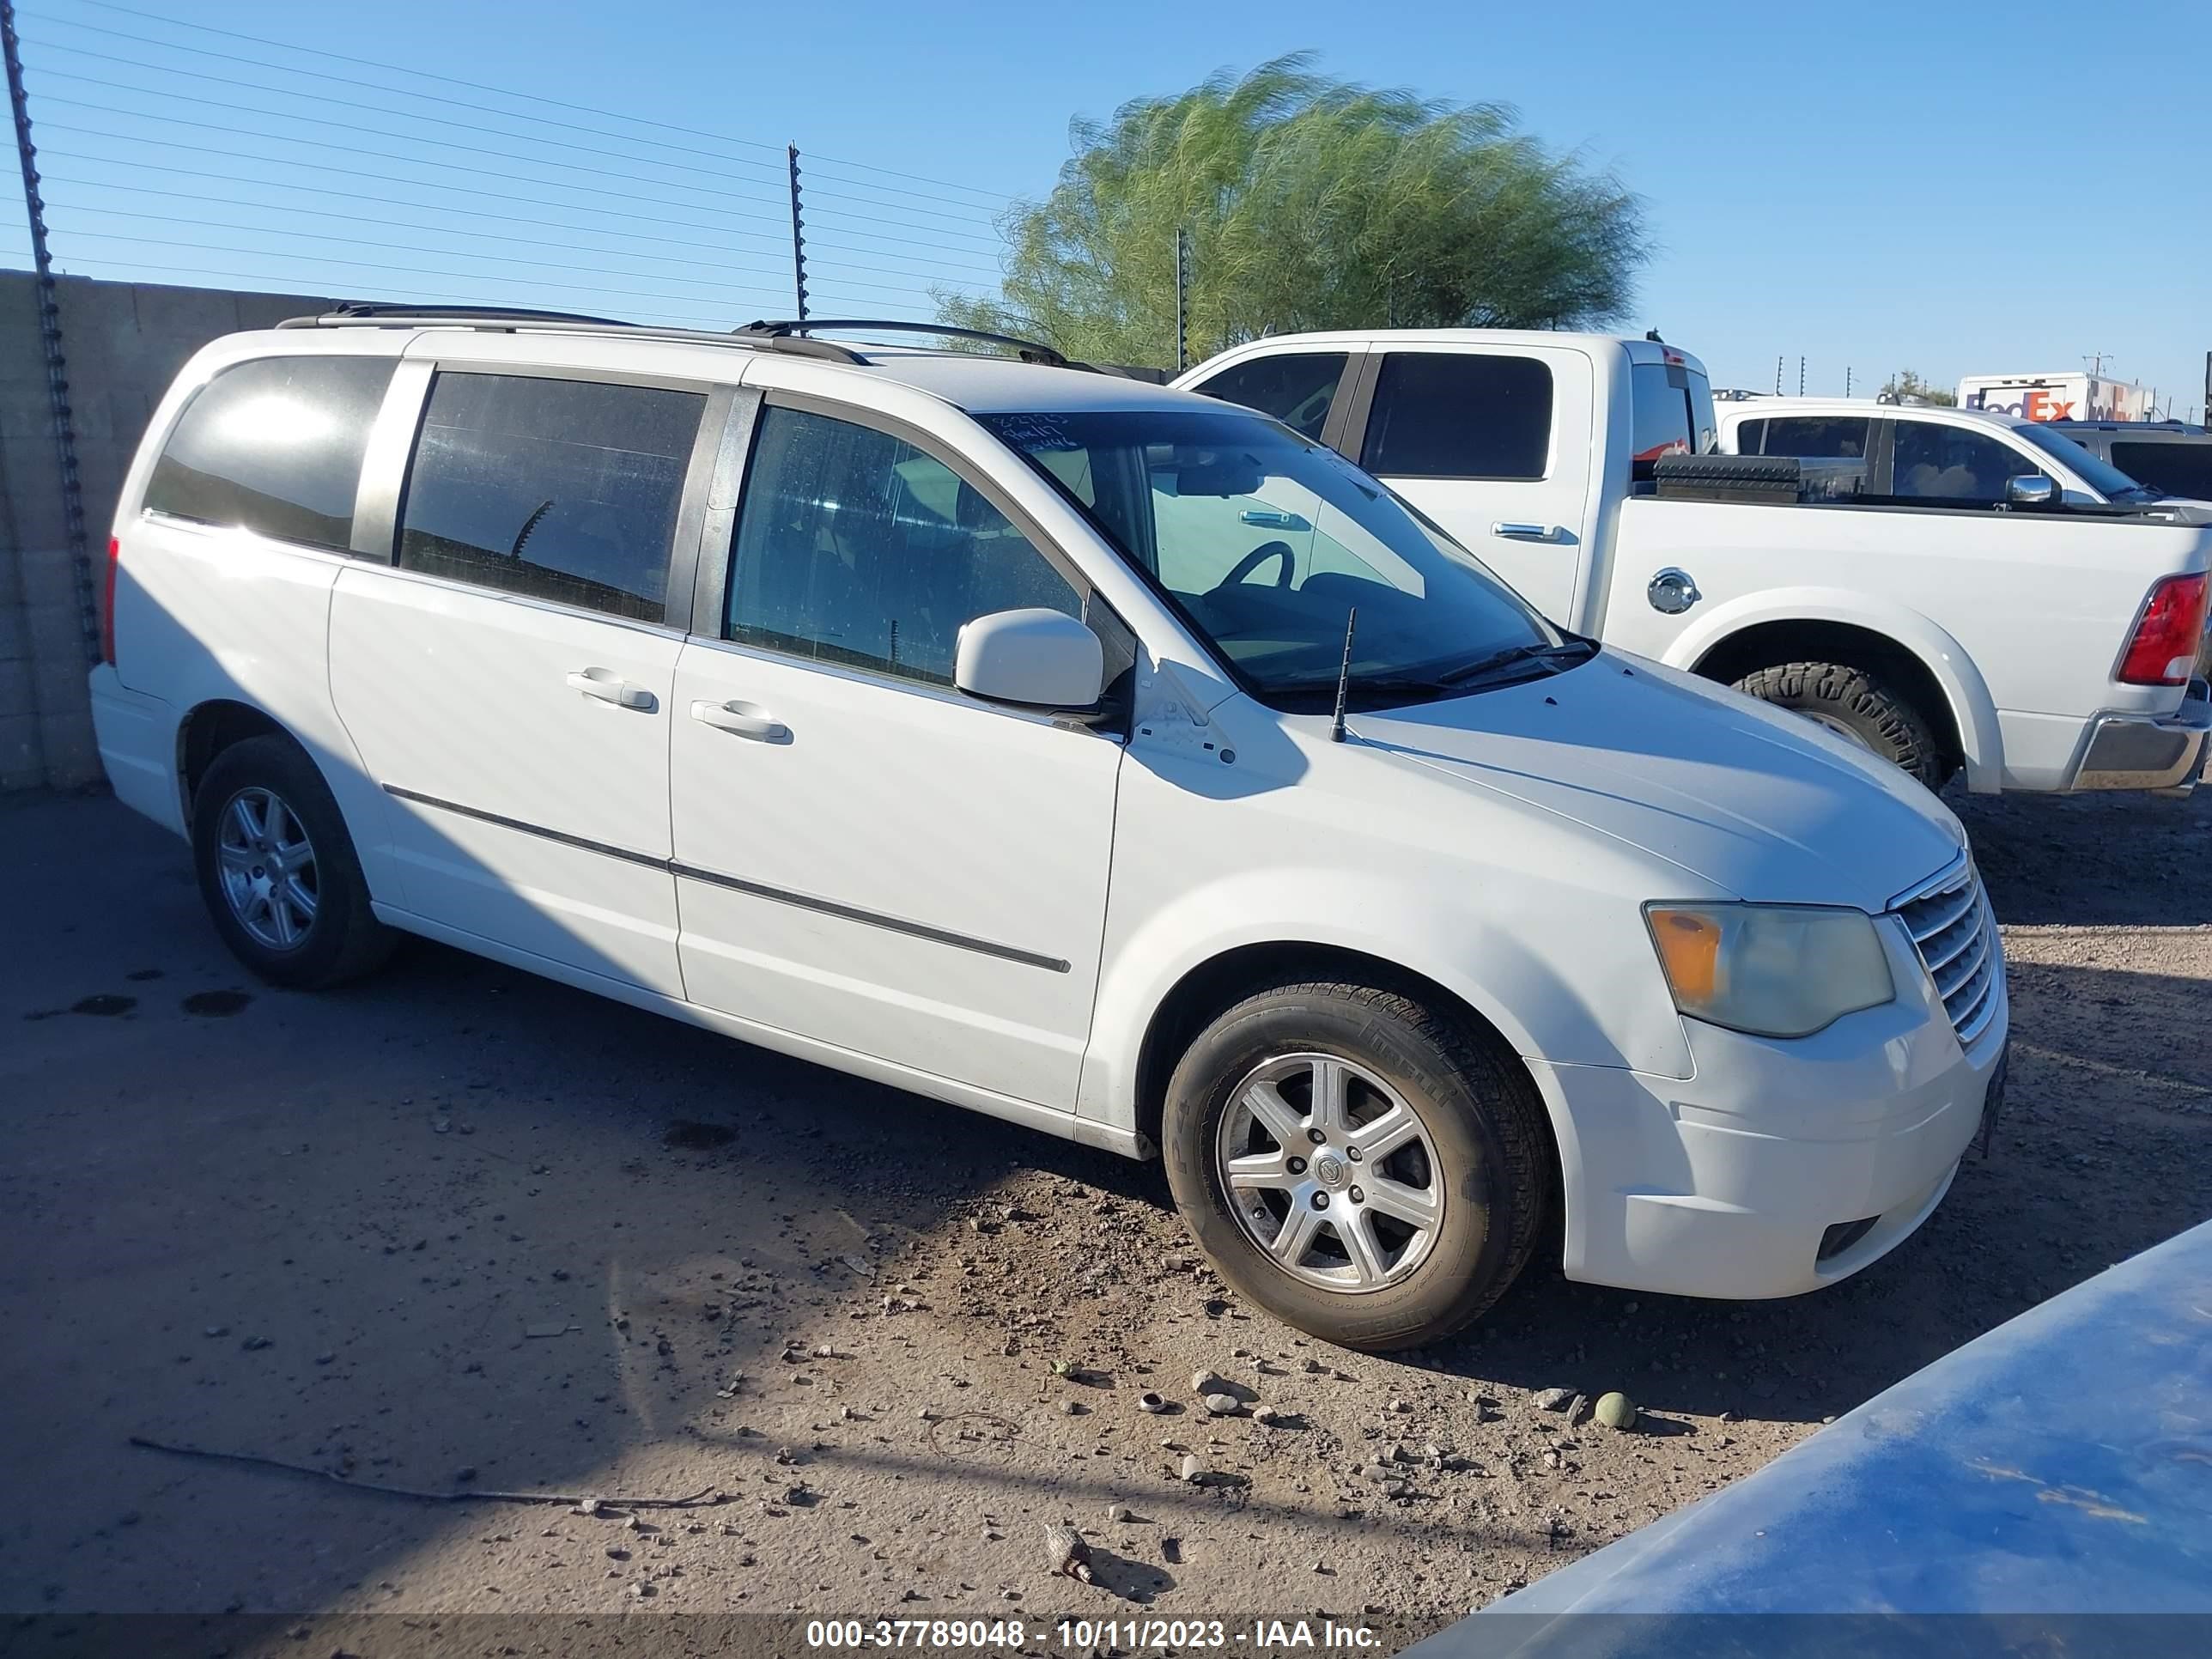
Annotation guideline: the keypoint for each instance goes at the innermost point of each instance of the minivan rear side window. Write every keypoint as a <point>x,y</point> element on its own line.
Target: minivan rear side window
<point>1297,388</point>
<point>2178,469</point>
<point>274,446</point>
<point>556,490</point>
<point>1459,415</point>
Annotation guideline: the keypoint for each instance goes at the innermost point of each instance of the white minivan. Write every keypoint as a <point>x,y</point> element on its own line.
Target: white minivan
<point>1087,753</point>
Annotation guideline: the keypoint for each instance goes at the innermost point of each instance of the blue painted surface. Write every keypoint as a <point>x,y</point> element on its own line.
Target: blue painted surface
<point>2060,1464</point>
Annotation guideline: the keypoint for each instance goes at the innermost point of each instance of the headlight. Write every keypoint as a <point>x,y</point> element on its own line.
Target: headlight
<point>1780,970</point>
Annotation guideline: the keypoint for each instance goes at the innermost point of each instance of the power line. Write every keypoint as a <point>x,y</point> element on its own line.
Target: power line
<point>979,215</point>
<point>427,161</point>
<point>457,276</point>
<point>412,247</point>
<point>373,132</point>
<point>972,214</point>
<point>505,196</point>
<point>477,85</point>
<point>690,244</point>
<point>402,92</point>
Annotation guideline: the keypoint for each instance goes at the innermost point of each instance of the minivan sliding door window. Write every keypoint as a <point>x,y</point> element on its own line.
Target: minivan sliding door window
<point>565,490</point>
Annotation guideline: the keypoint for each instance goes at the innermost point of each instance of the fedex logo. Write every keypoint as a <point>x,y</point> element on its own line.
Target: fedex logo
<point>2039,403</point>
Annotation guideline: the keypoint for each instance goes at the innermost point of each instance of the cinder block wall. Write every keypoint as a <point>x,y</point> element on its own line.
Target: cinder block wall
<point>124,342</point>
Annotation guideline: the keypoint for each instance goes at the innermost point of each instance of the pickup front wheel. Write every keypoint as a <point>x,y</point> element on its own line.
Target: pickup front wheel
<point>1357,1163</point>
<point>1859,706</point>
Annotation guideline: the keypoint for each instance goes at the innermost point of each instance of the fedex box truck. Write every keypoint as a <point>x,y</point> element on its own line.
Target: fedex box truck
<point>2076,397</point>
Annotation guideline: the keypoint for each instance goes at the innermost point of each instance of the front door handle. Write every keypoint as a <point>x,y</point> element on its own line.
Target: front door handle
<point>607,686</point>
<point>1529,532</point>
<point>742,719</point>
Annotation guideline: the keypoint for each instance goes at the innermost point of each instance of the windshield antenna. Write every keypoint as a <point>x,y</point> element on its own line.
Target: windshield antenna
<point>1344,676</point>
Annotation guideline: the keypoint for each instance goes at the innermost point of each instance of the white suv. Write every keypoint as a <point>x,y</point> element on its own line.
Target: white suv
<point>1005,732</point>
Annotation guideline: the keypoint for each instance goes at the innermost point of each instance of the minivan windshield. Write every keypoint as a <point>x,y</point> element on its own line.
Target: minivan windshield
<point>1266,542</point>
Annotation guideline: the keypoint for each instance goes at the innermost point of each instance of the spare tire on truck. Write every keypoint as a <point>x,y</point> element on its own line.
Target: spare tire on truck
<point>1858,705</point>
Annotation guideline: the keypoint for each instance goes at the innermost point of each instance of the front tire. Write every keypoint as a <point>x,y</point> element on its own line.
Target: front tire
<point>1356,1162</point>
<point>278,870</point>
<point>1858,705</point>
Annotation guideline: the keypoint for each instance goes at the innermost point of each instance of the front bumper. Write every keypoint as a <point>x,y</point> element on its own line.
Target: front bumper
<point>1730,1184</point>
<point>2136,752</point>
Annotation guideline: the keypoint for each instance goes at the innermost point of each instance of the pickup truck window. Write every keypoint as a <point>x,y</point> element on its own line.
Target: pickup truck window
<point>1951,463</point>
<point>1297,388</point>
<point>1264,542</point>
<point>1672,411</point>
<point>1459,415</point>
<point>1843,438</point>
<point>1813,437</point>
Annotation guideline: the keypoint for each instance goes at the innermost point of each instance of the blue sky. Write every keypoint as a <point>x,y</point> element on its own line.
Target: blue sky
<point>1971,187</point>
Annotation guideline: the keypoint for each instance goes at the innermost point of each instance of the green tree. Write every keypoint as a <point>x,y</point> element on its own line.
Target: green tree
<point>1309,204</point>
<point>1906,384</point>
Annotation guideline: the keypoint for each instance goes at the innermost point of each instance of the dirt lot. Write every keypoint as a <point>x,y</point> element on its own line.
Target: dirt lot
<point>327,1229</point>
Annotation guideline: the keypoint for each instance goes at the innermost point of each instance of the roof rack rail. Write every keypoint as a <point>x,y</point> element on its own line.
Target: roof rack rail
<point>378,311</point>
<point>514,320</point>
<point>1030,351</point>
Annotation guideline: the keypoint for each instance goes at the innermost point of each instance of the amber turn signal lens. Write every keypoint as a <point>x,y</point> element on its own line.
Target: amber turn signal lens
<point>1690,951</point>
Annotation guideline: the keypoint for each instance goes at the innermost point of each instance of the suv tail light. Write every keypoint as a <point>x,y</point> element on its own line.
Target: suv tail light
<point>107,604</point>
<point>2164,649</point>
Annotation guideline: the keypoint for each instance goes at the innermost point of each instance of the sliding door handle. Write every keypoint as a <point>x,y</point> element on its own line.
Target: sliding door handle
<point>740,719</point>
<point>604,685</point>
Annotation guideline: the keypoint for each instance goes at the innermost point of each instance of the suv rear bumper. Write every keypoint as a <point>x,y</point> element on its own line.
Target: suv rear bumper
<point>2136,751</point>
<point>137,739</point>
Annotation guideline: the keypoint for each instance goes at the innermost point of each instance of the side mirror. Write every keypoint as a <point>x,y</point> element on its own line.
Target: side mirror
<point>1035,659</point>
<point>2032,489</point>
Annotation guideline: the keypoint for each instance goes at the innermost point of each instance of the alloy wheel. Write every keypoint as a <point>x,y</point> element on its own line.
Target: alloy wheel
<point>266,866</point>
<point>1331,1172</point>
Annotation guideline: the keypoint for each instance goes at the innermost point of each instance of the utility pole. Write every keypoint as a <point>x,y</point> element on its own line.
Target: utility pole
<point>1801,377</point>
<point>50,334</point>
<point>1778,377</point>
<point>798,236</point>
<point>1847,382</point>
<point>1182,298</point>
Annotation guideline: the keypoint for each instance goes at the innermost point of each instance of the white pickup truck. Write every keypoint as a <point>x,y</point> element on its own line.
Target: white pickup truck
<point>2029,637</point>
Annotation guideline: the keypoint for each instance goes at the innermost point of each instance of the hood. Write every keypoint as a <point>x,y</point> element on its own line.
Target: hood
<point>1761,804</point>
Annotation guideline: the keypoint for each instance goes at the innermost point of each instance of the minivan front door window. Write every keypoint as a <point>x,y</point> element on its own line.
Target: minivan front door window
<point>856,547</point>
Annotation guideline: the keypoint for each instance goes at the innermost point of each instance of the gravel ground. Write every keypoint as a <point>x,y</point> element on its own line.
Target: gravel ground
<point>459,1228</point>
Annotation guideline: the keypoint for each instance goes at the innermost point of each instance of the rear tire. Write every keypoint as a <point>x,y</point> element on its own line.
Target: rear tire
<point>1473,1154</point>
<point>1858,704</point>
<point>278,872</point>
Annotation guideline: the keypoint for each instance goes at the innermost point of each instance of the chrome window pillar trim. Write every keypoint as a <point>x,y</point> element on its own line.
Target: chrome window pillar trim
<point>717,543</point>
<point>680,590</point>
<point>385,463</point>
